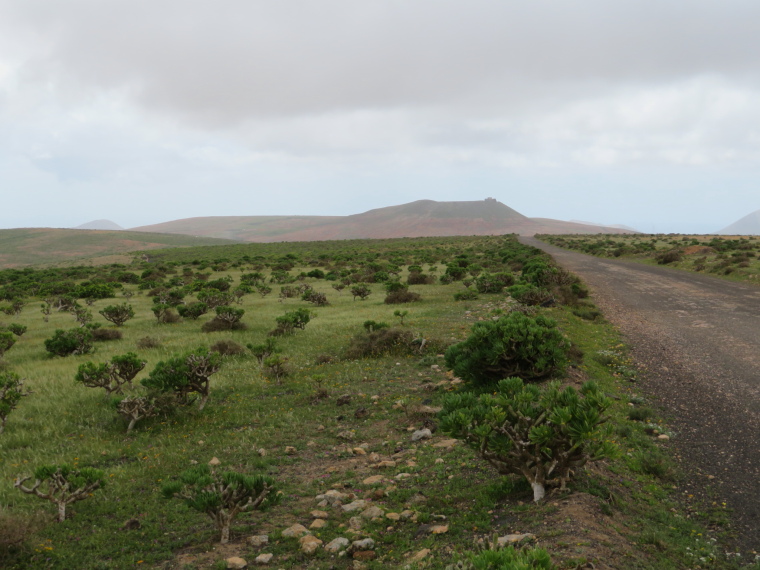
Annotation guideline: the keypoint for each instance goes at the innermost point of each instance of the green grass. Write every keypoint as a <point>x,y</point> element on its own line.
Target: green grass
<point>62,421</point>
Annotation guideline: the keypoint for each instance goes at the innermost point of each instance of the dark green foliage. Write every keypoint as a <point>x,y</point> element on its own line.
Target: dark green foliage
<point>73,341</point>
<point>214,298</point>
<point>165,314</point>
<point>371,326</point>
<point>7,340</point>
<point>63,485</point>
<point>530,295</point>
<point>185,375</point>
<point>263,351</point>
<point>222,496</point>
<point>493,283</point>
<point>543,434</point>
<point>227,318</point>
<point>11,392</point>
<point>193,310</point>
<point>111,376</point>
<point>170,297</point>
<point>298,319</point>
<point>467,295</point>
<point>515,345</point>
<point>667,257</point>
<point>361,290</point>
<point>95,291</point>
<point>17,329</point>
<point>315,298</point>
<point>316,274</point>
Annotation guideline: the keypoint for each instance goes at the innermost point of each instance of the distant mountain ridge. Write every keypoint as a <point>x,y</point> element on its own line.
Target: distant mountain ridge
<point>748,225</point>
<point>422,218</point>
<point>99,225</point>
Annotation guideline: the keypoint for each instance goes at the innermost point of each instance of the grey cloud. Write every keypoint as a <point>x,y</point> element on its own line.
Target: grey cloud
<point>220,63</point>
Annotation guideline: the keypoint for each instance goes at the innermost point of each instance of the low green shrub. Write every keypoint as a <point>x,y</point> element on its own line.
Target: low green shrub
<point>543,434</point>
<point>73,341</point>
<point>514,345</point>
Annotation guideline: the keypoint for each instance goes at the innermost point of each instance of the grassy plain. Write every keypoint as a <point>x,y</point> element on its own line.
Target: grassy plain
<point>623,512</point>
<point>23,247</point>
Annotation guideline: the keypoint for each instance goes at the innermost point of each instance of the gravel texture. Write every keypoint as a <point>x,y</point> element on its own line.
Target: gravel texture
<point>697,338</point>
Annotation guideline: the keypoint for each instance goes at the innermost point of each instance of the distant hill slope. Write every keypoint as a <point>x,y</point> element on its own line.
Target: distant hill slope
<point>415,219</point>
<point>748,225</point>
<point>99,225</point>
<point>38,246</point>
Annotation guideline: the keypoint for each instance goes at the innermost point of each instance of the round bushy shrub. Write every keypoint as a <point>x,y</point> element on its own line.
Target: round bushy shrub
<point>519,345</point>
<point>73,341</point>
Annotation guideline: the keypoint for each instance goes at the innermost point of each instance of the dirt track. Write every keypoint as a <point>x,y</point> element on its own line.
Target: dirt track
<point>698,339</point>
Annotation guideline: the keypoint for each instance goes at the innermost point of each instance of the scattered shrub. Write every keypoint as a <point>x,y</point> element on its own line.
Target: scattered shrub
<point>165,314</point>
<point>361,290</point>
<point>11,392</point>
<point>7,340</point>
<point>226,319</point>
<point>227,348</point>
<point>148,342</point>
<point>73,341</point>
<point>275,366</point>
<point>193,311</point>
<point>287,323</point>
<point>417,278</point>
<point>380,342</point>
<point>493,283</point>
<point>222,496</point>
<point>401,296</point>
<point>315,298</point>
<point>263,351</point>
<point>118,314</point>
<point>542,434</point>
<point>185,375</point>
<point>372,326</point>
<point>671,256</point>
<point>63,485</point>
<point>17,329</point>
<point>99,334</point>
<point>514,345</point>
<point>467,295</point>
<point>531,295</point>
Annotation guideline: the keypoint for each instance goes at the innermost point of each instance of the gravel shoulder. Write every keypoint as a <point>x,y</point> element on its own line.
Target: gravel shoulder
<point>697,339</point>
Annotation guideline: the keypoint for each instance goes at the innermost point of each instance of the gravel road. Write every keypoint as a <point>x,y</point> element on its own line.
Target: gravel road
<point>698,339</point>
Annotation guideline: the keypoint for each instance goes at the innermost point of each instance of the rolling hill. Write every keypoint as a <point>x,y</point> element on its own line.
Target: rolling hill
<point>35,246</point>
<point>748,225</point>
<point>416,219</point>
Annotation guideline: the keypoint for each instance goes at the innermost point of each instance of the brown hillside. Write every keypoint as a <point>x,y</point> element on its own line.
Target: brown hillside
<point>415,219</point>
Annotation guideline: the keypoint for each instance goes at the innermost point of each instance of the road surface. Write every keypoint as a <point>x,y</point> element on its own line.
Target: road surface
<point>698,339</point>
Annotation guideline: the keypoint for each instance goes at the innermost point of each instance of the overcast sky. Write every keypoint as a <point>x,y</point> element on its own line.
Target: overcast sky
<point>636,112</point>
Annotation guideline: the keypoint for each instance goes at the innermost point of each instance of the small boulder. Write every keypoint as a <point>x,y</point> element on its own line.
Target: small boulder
<point>422,434</point>
<point>372,512</point>
<point>309,544</point>
<point>514,539</point>
<point>354,506</point>
<point>214,462</point>
<point>236,562</point>
<point>337,544</point>
<point>263,559</point>
<point>258,541</point>
<point>296,530</point>
<point>317,524</point>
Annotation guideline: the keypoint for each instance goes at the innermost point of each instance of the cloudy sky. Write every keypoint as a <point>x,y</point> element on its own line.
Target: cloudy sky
<point>637,112</point>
